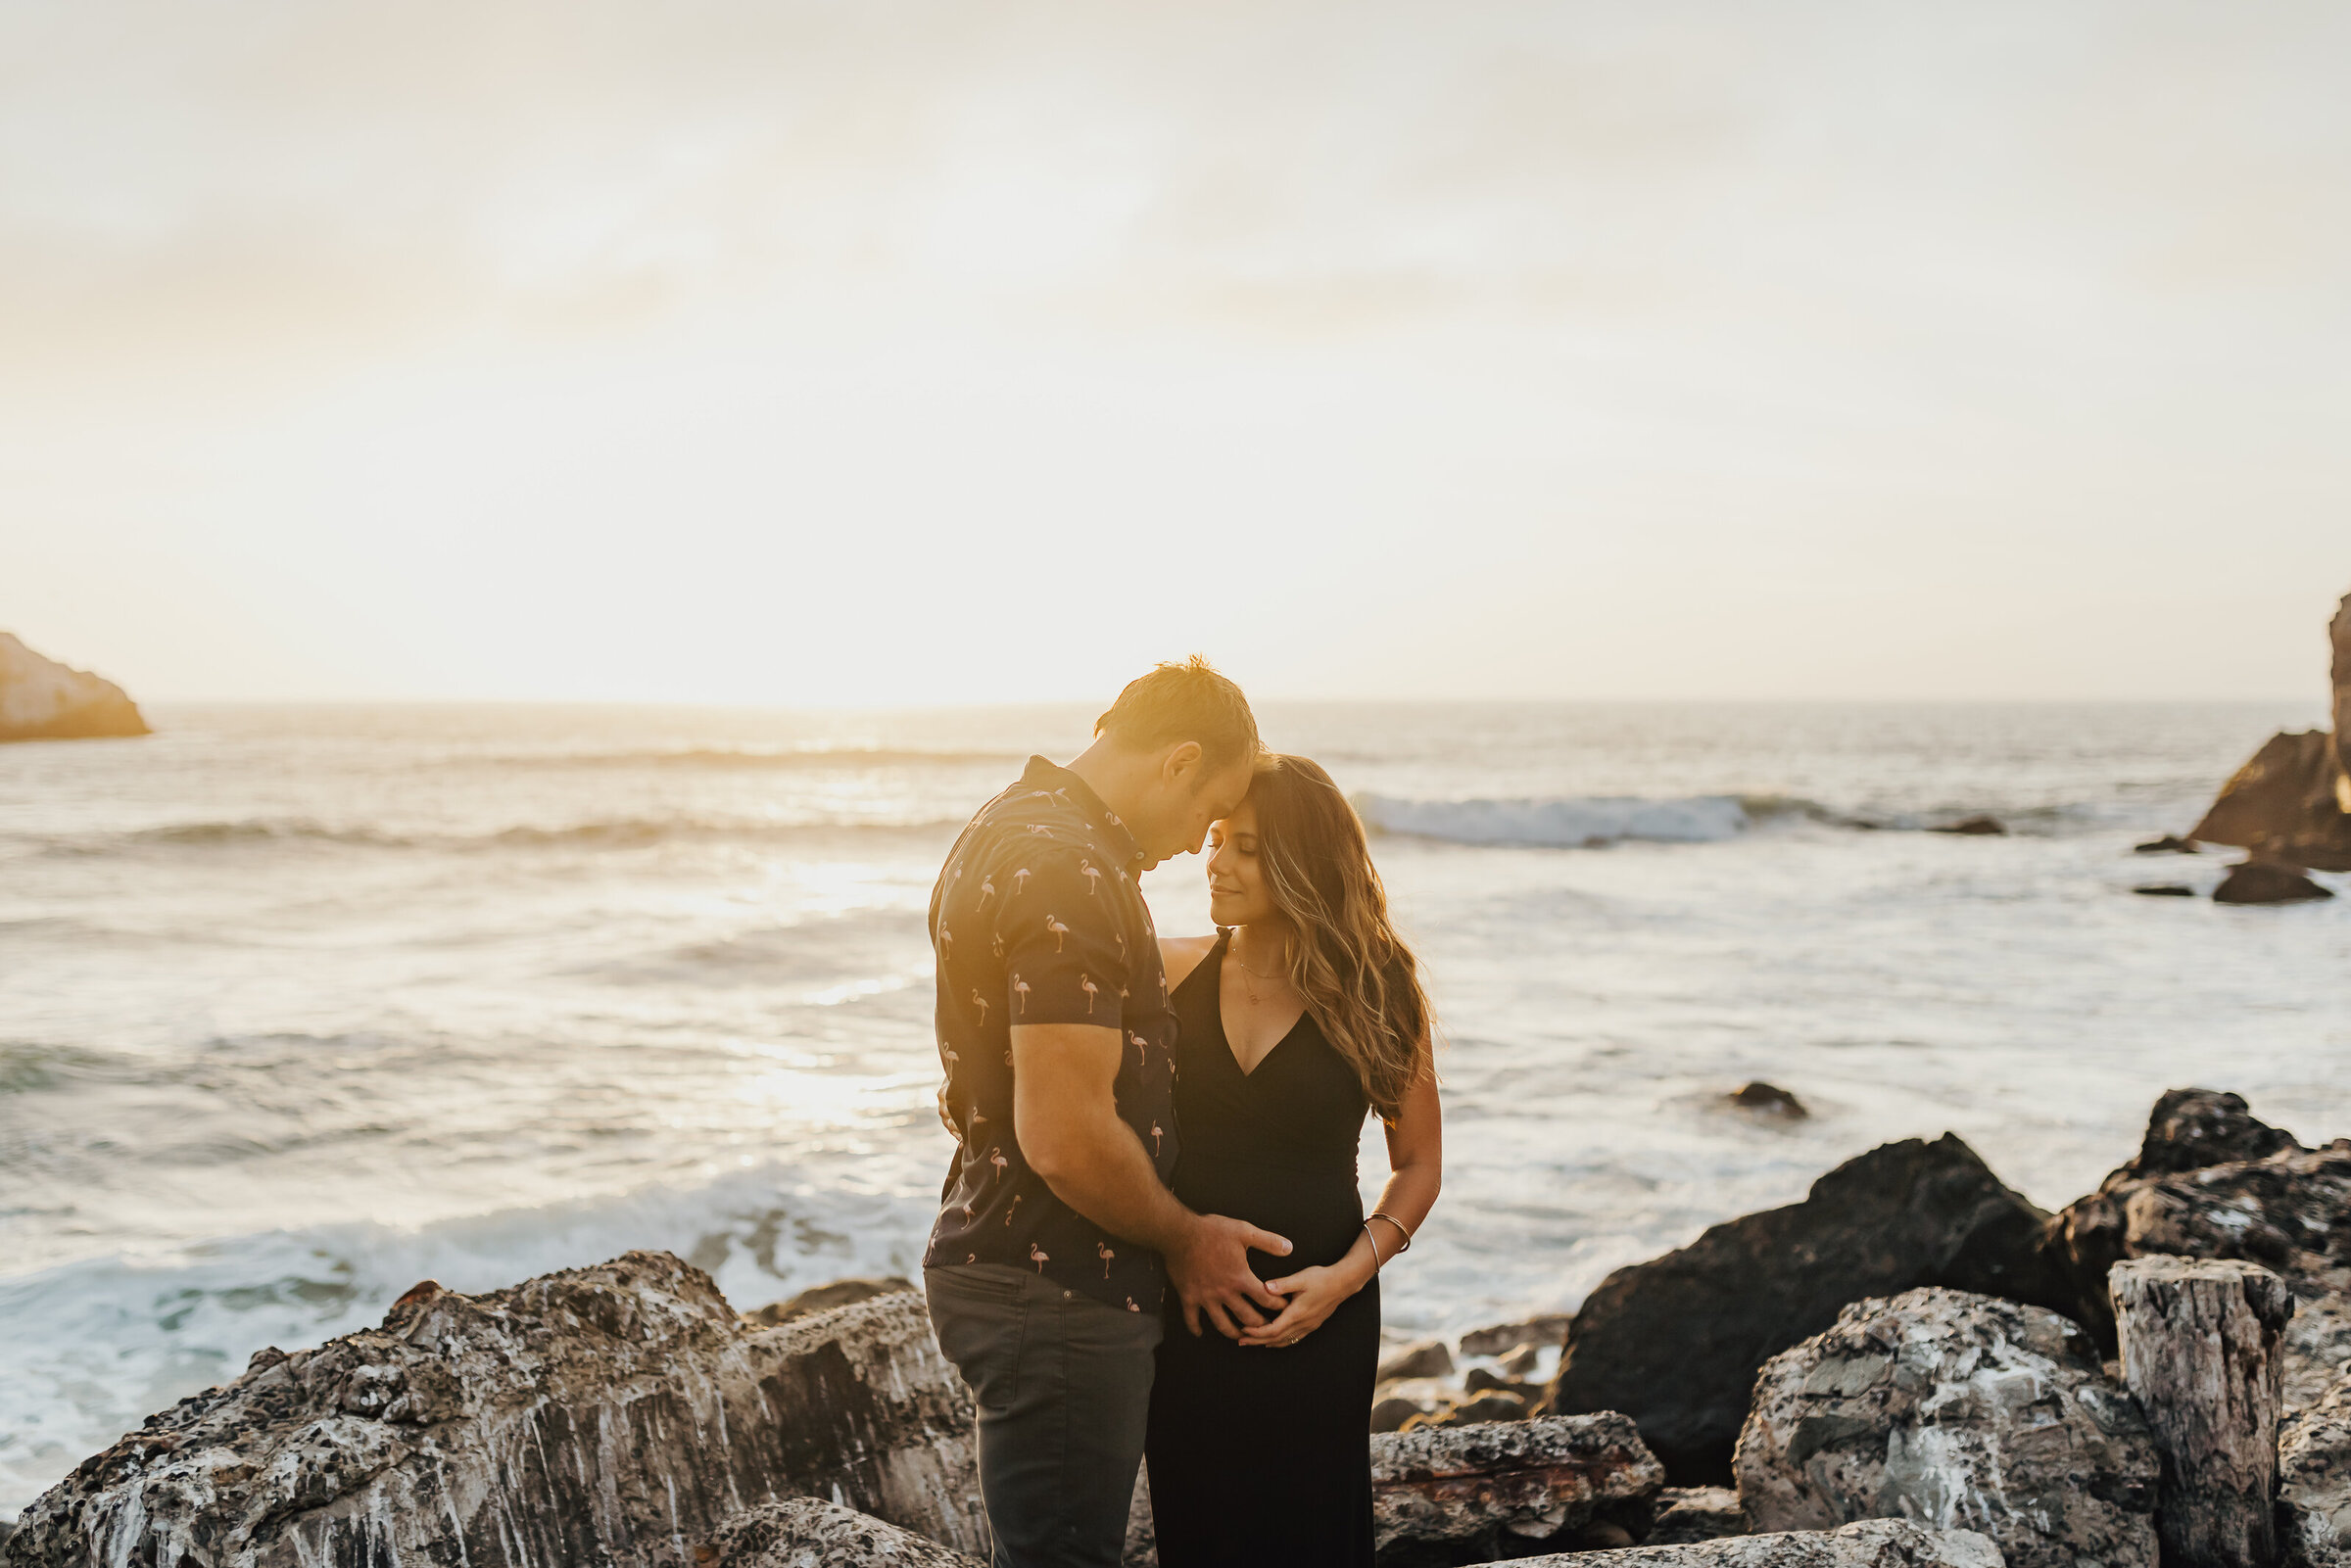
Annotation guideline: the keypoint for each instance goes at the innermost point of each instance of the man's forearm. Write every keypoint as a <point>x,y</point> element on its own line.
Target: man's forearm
<point>1103,1171</point>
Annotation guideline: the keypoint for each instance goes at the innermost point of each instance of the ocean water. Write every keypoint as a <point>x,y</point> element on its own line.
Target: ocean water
<point>301,1006</point>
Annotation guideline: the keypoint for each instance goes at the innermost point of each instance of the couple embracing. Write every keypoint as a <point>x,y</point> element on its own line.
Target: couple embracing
<point>1151,1243</point>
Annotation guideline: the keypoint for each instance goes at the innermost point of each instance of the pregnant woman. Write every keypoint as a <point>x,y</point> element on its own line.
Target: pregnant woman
<point>1303,1013</point>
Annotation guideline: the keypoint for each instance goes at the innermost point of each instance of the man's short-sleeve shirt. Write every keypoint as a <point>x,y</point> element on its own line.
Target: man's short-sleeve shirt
<point>1036,919</point>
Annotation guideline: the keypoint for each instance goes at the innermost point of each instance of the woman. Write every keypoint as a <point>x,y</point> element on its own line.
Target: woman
<point>1304,1012</point>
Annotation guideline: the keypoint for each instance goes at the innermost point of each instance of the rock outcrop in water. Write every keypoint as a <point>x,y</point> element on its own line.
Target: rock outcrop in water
<point>616,1414</point>
<point>2291,802</point>
<point>1957,1411</point>
<point>1675,1343</point>
<point>42,699</point>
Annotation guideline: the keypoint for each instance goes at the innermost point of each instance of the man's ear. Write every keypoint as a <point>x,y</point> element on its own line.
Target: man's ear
<point>1181,765</point>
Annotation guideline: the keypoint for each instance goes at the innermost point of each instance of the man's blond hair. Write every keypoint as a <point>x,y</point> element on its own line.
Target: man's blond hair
<point>1178,703</point>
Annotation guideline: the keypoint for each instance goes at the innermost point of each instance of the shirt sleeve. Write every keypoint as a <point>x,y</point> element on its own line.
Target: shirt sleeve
<point>1066,958</point>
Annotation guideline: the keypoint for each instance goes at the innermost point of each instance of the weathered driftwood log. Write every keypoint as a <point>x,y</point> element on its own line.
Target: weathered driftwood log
<point>1960,1412</point>
<point>1675,1343</point>
<point>809,1532</point>
<point>2200,1343</point>
<point>2314,1465</point>
<point>1491,1485</point>
<point>610,1415</point>
<point>1874,1543</point>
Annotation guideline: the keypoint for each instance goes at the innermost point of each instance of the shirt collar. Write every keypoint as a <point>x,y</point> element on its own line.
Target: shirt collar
<point>1052,779</point>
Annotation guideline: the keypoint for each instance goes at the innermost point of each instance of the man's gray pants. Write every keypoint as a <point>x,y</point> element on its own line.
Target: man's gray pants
<point>1063,1383</point>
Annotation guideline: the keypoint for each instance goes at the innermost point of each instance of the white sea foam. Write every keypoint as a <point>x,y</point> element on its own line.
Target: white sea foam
<point>1570,822</point>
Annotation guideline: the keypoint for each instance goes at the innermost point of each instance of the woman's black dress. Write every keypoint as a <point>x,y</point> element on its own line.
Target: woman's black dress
<point>1261,1456</point>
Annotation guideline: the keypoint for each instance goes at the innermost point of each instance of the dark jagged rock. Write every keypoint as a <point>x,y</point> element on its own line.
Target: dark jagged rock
<point>2165,890</point>
<point>42,699</point>
<point>597,1415</point>
<point>1977,827</point>
<point>823,1297</point>
<point>1770,1099</point>
<point>810,1533</point>
<point>2259,882</point>
<point>2190,1129</point>
<point>1550,1329</point>
<point>2287,1210</point>
<point>2167,845</point>
<point>1421,1359</point>
<point>1675,1343</point>
<point>1958,1411</point>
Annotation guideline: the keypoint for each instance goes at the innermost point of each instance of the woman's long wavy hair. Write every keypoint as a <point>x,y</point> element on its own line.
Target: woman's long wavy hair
<point>1360,981</point>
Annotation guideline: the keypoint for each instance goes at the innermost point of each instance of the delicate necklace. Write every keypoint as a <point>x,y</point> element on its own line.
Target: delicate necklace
<point>1261,974</point>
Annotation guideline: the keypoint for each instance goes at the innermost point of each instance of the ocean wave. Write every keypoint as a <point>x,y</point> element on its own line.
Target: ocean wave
<point>619,833</point>
<point>1564,823</point>
<point>752,757</point>
<point>1592,822</point>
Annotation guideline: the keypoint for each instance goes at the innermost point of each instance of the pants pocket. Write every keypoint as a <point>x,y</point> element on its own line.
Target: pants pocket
<point>980,1322</point>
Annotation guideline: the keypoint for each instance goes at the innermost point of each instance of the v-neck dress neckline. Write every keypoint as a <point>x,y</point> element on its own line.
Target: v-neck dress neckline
<point>1217,956</point>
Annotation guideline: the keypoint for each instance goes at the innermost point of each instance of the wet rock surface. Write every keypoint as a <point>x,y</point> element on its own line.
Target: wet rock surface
<point>612,1414</point>
<point>1676,1342</point>
<point>810,1533</point>
<point>2314,1464</point>
<point>1877,1544</point>
<point>1957,1411</point>
<point>1475,1493</point>
<point>42,699</point>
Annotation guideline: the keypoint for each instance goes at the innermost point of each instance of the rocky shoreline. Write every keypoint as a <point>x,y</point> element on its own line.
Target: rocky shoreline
<point>1913,1366</point>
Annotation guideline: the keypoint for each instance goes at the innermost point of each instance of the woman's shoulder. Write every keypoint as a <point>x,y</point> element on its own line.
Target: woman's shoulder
<point>1181,955</point>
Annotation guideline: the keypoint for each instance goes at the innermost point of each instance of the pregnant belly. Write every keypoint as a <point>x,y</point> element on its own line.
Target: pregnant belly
<point>1321,1212</point>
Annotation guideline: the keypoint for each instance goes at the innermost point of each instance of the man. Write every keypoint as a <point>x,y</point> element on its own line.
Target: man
<point>1045,1268</point>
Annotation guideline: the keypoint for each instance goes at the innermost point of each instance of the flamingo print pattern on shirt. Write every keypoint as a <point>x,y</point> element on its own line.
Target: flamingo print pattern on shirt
<point>1037,919</point>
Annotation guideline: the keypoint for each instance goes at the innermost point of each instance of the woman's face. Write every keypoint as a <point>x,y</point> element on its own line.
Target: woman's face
<point>1236,885</point>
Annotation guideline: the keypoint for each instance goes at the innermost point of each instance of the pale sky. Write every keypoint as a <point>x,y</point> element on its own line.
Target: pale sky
<point>904,351</point>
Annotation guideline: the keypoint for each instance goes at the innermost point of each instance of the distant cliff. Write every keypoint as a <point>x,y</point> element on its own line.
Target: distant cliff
<point>42,699</point>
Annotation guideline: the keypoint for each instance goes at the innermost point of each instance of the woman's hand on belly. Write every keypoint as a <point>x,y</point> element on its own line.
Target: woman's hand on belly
<point>1314,1293</point>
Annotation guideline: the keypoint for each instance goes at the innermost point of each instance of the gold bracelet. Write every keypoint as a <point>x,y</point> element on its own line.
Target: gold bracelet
<point>1399,1231</point>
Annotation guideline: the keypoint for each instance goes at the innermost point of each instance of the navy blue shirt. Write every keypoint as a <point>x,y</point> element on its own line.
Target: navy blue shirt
<point>1038,919</point>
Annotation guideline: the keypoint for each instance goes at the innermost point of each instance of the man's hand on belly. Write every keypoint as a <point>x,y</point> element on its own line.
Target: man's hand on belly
<point>1210,1270</point>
